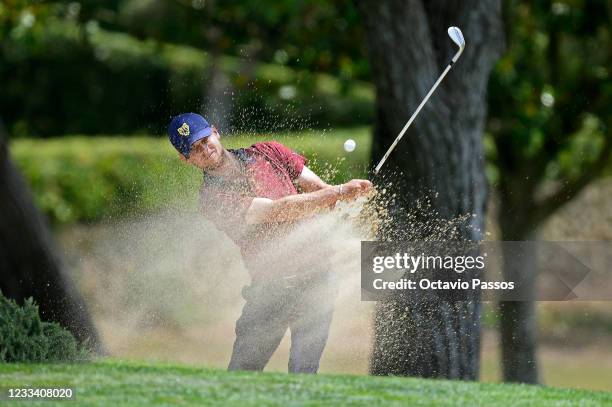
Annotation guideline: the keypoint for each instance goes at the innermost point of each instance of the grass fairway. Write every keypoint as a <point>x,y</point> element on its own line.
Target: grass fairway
<point>114,383</point>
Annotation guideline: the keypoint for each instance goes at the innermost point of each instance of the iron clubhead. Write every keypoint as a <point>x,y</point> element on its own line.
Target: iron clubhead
<point>457,37</point>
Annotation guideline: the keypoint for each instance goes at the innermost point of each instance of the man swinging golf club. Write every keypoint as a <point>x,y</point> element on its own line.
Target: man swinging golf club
<point>257,196</point>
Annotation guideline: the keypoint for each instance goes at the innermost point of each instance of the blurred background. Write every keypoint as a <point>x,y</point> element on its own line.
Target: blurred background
<point>87,89</point>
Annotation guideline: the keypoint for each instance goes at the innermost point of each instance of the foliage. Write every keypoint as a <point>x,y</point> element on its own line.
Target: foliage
<point>80,178</point>
<point>316,35</point>
<point>25,338</point>
<point>67,69</point>
<point>92,178</point>
<point>63,76</point>
<point>549,104</point>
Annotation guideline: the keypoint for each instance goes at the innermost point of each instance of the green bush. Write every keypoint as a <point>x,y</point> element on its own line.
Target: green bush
<point>87,179</point>
<point>25,338</point>
<point>93,178</point>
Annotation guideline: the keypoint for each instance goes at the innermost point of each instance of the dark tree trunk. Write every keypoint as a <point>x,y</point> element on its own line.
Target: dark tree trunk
<point>439,160</point>
<point>518,324</point>
<point>28,264</point>
<point>216,90</point>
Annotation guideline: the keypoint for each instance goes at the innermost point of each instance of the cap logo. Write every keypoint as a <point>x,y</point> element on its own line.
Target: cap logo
<point>184,130</point>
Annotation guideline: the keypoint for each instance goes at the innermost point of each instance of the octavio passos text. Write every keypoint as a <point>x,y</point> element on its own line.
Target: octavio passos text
<point>409,263</point>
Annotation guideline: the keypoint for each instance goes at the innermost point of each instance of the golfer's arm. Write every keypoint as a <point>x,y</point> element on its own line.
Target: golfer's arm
<point>292,207</point>
<point>308,181</point>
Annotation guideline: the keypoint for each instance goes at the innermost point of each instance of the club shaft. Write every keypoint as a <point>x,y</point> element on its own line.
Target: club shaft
<point>414,115</point>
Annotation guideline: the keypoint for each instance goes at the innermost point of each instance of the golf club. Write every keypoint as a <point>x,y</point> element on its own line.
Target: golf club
<point>457,37</point>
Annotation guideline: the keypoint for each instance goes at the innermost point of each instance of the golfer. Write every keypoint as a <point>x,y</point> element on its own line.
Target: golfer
<point>258,196</point>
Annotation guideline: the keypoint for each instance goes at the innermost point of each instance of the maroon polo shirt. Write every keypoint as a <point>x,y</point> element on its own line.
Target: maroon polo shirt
<point>269,170</point>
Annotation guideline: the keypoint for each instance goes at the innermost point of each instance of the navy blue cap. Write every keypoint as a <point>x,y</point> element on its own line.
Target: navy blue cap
<point>187,128</point>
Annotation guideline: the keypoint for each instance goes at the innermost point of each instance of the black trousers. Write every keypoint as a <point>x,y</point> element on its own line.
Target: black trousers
<point>304,305</point>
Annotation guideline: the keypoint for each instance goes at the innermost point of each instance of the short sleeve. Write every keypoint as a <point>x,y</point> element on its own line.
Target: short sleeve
<point>289,159</point>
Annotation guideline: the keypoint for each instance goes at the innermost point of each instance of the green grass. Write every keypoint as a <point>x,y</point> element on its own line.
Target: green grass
<point>112,382</point>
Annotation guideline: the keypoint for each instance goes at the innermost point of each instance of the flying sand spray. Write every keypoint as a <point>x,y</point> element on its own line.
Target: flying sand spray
<point>202,295</point>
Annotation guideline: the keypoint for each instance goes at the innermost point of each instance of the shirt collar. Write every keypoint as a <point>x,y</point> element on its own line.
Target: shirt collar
<point>244,159</point>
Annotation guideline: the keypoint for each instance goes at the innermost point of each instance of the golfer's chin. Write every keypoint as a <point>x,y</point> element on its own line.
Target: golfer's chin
<point>212,163</point>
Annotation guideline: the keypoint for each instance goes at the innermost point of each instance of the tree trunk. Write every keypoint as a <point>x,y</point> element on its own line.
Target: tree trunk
<point>440,160</point>
<point>518,324</point>
<point>29,266</point>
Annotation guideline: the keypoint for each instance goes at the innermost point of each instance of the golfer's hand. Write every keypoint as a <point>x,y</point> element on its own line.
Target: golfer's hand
<point>354,188</point>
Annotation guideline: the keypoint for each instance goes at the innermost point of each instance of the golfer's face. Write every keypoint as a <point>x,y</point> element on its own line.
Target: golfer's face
<point>207,153</point>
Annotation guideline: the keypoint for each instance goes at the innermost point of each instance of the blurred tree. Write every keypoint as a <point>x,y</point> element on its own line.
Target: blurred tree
<point>550,118</point>
<point>62,72</point>
<point>318,35</point>
<point>29,266</point>
<point>421,334</point>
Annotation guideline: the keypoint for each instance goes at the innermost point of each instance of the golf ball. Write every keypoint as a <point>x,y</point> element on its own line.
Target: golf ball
<point>349,145</point>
